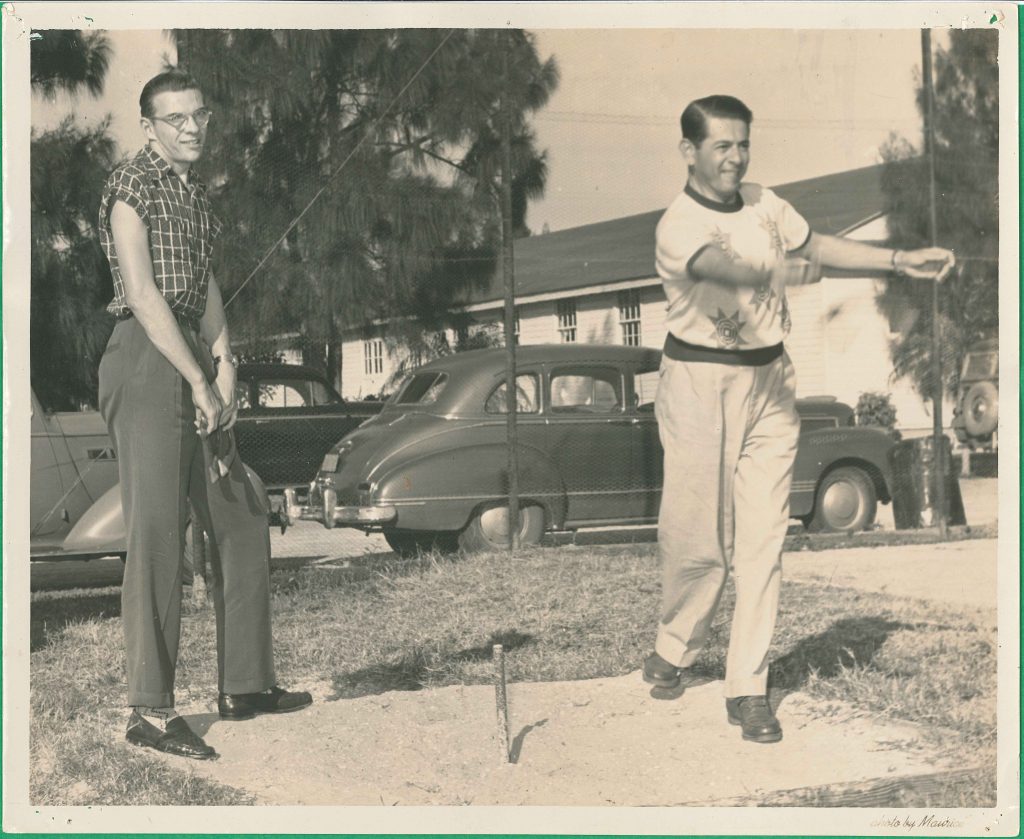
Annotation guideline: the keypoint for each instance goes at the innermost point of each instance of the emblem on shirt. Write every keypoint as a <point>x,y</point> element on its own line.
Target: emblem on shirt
<point>723,241</point>
<point>728,328</point>
<point>763,295</point>
<point>774,236</point>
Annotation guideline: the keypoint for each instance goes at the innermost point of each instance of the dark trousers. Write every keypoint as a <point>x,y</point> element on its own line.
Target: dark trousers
<point>162,462</point>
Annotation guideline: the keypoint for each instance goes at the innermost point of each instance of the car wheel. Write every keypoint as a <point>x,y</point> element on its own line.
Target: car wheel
<point>488,529</point>
<point>411,542</point>
<point>981,409</point>
<point>846,501</point>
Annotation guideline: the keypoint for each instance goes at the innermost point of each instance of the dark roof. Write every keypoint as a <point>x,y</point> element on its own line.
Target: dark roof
<point>623,248</point>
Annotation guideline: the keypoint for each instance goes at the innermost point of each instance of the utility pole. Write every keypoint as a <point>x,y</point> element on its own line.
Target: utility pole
<point>508,272</point>
<point>939,465</point>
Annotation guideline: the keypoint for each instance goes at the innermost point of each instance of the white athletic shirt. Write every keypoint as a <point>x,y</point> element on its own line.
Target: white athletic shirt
<point>759,229</point>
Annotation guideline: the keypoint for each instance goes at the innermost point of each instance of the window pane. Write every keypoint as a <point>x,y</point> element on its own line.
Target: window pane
<point>322,395</point>
<point>591,392</point>
<point>981,365</point>
<point>283,395</point>
<point>815,423</point>
<point>527,392</point>
<point>423,389</point>
<point>242,395</point>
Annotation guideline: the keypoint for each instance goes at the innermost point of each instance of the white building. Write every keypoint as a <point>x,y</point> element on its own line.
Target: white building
<point>597,283</point>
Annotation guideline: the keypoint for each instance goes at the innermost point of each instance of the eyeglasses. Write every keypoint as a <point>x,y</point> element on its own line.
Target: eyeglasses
<point>201,116</point>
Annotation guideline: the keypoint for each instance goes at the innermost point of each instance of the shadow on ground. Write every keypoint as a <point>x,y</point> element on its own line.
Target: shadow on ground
<point>848,642</point>
<point>50,617</point>
<point>410,672</point>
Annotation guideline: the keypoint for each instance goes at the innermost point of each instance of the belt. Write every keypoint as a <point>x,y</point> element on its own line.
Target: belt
<point>679,350</point>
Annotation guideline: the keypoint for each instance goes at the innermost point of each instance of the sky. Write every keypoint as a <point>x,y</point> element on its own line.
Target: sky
<point>823,100</point>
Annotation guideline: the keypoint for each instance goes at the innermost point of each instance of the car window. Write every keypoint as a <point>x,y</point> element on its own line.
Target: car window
<point>527,396</point>
<point>586,391</point>
<point>284,394</point>
<point>320,394</point>
<point>422,389</point>
<point>294,393</point>
<point>981,365</point>
<point>814,423</point>
<point>645,386</point>
<point>242,394</point>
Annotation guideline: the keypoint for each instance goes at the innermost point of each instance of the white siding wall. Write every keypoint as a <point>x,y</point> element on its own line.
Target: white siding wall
<point>653,313</point>
<point>805,343</point>
<point>356,382</point>
<point>537,323</point>
<point>856,344</point>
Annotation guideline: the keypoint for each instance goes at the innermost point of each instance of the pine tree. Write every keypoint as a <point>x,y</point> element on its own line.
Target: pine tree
<point>394,133</point>
<point>70,279</point>
<point>966,84</point>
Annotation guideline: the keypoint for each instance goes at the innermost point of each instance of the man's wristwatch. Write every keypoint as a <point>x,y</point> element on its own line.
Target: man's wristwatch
<point>226,358</point>
<point>895,266</point>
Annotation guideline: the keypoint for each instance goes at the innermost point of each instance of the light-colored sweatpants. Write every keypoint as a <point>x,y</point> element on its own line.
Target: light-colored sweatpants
<point>730,436</point>
<point>163,468</point>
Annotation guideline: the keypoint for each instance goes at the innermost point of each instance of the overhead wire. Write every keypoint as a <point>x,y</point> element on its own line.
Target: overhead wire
<point>340,166</point>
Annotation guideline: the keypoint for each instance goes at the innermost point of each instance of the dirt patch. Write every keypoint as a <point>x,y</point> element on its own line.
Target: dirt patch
<point>603,741</point>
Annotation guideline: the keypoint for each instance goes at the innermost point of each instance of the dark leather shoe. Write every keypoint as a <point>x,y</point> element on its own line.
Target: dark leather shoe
<point>657,671</point>
<point>245,706</point>
<point>755,716</point>
<point>176,738</point>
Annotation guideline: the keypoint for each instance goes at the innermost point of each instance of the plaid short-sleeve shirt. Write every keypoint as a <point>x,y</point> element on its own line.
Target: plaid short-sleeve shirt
<point>182,229</point>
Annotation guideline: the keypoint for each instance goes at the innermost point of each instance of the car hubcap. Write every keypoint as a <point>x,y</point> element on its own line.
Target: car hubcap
<point>979,409</point>
<point>841,504</point>
<point>494,525</point>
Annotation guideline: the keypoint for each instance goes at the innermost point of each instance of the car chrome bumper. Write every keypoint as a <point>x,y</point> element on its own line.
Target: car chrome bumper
<point>323,507</point>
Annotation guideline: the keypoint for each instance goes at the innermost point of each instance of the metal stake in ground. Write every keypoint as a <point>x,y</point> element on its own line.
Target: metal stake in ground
<point>501,699</point>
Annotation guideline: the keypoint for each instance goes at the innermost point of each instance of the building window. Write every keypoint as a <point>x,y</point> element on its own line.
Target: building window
<point>373,356</point>
<point>515,327</point>
<point>629,317</point>
<point>566,311</point>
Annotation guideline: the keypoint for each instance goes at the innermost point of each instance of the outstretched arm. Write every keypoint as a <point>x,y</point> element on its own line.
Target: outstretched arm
<point>835,252</point>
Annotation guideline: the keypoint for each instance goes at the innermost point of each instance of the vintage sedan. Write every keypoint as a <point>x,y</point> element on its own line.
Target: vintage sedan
<point>432,468</point>
<point>289,416</point>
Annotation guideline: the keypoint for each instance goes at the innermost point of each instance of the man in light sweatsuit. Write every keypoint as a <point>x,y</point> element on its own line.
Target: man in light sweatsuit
<point>726,402</point>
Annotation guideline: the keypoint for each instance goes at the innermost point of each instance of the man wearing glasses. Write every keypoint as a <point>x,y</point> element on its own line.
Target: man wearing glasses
<point>166,392</point>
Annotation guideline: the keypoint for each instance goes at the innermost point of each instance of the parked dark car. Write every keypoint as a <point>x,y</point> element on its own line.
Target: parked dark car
<point>431,469</point>
<point>976,415</point>
<point>289,417</point>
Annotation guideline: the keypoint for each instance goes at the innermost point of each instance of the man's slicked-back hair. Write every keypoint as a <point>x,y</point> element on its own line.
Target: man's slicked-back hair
<point>172,80</point>
<point>694,120</point>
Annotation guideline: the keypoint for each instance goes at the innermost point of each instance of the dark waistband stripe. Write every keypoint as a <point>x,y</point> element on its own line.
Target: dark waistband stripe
<point>679,350</point>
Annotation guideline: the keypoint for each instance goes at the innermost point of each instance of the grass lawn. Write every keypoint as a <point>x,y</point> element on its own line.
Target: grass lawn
<point>561,613</point>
